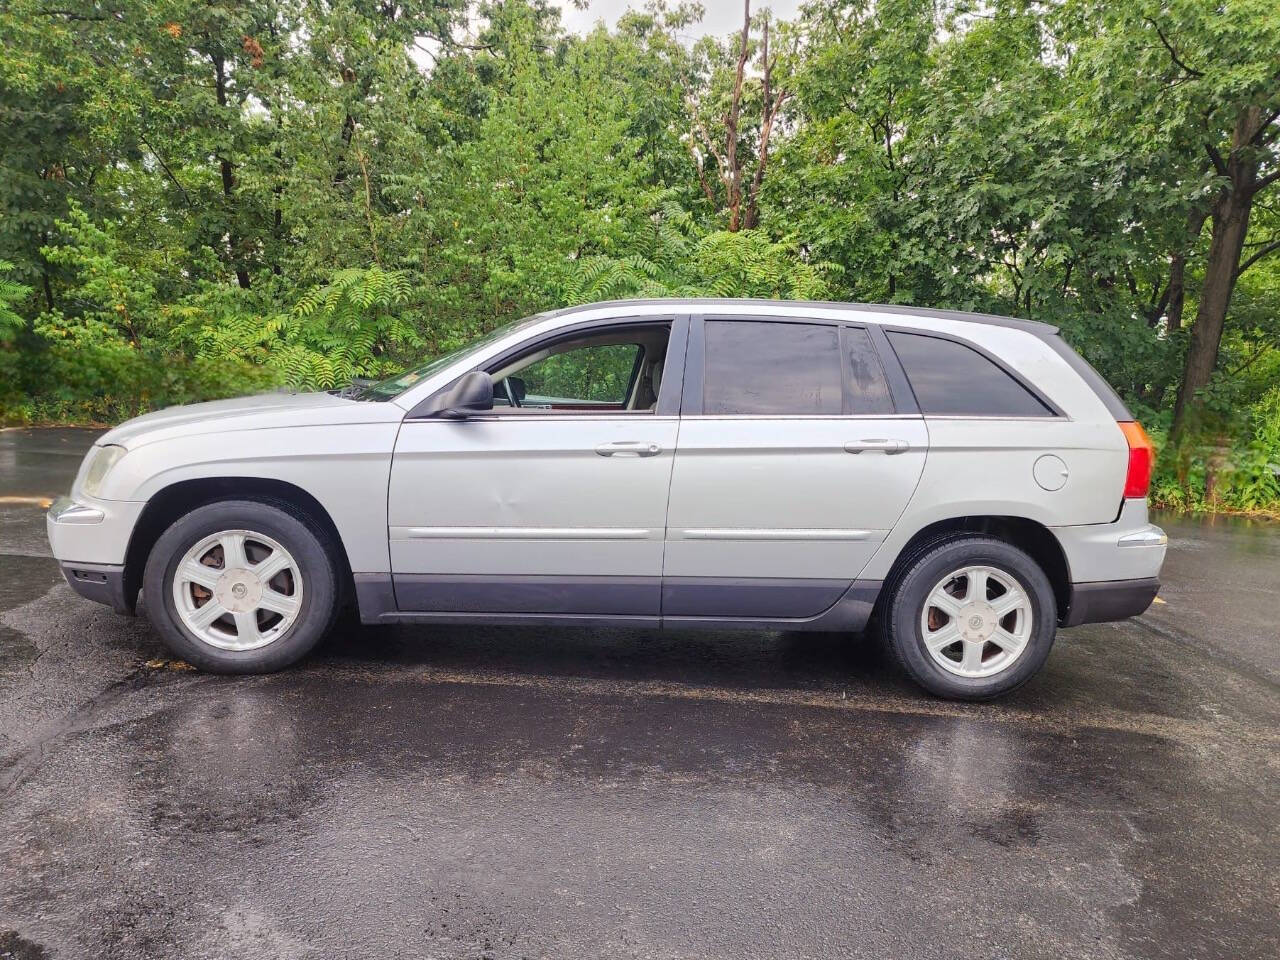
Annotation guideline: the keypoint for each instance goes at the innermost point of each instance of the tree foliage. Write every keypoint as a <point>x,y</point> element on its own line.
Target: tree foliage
<point>203,197</point>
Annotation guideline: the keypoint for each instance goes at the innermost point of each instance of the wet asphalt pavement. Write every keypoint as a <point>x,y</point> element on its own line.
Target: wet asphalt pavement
<point>496,792</point>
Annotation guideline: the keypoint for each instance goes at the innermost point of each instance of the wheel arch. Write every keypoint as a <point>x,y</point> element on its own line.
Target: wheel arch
<point>178,498</point>
<point>1029,535</point>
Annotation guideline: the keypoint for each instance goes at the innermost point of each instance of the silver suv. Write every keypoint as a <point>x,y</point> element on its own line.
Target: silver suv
<point>967,479</point>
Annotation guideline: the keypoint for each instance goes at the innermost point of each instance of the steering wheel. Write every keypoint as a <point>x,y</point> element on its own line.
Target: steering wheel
<point>511,394</point>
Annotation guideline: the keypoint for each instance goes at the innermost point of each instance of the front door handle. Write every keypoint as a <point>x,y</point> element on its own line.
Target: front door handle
<point>889,447</point>
<point>629,448</point>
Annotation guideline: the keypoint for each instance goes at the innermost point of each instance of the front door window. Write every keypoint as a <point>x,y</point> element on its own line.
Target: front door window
<point>593,378</point>
<point>614,372</point>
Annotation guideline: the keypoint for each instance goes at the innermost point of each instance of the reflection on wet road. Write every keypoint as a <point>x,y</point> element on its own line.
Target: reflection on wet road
<point>498,792</point>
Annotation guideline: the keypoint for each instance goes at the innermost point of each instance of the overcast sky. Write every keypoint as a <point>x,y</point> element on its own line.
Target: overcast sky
<point>722,16</point>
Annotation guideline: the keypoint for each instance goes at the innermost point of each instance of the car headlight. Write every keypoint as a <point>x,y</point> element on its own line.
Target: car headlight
<point>103,459</point>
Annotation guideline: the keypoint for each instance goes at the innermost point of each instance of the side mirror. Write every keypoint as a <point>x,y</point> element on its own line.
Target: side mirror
<point>473,393</point>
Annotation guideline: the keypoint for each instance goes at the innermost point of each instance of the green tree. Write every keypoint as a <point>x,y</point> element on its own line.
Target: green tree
<point>1200,82</point>
<point>203,197</point>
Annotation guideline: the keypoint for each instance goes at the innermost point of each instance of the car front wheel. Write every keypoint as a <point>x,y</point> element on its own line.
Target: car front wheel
<point>971,617</point>
<point>241,586</point>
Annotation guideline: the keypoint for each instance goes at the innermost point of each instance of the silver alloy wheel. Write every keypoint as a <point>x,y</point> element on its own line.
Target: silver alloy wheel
<point>976,621</point>
<point>237,590</point>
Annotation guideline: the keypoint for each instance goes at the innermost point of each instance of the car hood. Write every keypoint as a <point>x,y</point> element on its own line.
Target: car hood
<point>240,413</point>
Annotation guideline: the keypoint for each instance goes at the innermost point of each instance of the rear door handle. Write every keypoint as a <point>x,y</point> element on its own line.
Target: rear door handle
<point>629,448</point>
<point>888,447</point>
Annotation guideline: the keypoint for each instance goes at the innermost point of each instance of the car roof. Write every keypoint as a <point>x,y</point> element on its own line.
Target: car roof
<point>725,303</point>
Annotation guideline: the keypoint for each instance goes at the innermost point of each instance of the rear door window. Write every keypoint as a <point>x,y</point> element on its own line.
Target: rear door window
<point>951,379</point>
<point>771,369</point>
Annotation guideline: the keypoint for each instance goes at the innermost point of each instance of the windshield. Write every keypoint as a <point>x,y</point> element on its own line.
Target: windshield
<point>394,386</point>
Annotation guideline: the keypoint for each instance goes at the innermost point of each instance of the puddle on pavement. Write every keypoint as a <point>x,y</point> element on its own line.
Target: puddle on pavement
<point>14,947</point>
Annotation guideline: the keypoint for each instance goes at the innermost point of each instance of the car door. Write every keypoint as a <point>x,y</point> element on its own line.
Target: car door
<point>553,503</point>
<point>797,453</point>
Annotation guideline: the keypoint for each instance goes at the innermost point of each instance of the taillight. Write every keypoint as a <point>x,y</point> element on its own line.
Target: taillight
<point>1142,458</point>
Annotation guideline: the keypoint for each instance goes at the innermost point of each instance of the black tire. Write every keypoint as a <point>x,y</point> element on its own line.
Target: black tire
<point>292,530</point>
<point>921,571</point>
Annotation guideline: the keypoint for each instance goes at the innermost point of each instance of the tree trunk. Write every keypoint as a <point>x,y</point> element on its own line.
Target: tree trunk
<point>1177,293</point>
<point>227,169</point>
<point>734,183</point>
<point>770,106</point>
<point>1230,217</point>
<point>45,283</point>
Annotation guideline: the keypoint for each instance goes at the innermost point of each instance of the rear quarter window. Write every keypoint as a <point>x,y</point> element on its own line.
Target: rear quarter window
<point>952,379</point>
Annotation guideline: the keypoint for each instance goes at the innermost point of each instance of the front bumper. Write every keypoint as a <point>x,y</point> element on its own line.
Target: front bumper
<point>101,583</point>
<point>90,538</point>
<point>87,530</point>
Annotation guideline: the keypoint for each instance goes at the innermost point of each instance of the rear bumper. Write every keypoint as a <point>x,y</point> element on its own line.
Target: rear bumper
<point>1114,567</point>
<point>1109,600</point>
<point>99,582</point>
<point>1130,548</point>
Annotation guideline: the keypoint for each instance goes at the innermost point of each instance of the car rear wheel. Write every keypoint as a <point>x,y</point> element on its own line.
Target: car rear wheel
<point>241,586</point>
<point>971,617</point>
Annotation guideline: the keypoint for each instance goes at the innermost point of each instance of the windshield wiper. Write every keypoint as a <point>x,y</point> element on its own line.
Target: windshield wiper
<point>355,390</point>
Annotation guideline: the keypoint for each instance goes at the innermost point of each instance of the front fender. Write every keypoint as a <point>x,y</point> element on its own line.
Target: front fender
<point>346,468</point>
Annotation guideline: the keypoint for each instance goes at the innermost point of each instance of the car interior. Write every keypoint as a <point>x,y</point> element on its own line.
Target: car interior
<point>618,370</point>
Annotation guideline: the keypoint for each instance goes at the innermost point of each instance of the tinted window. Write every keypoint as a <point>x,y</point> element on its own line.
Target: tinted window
<point>951,379</point>
<point>771,368</point>
<point>867,390</point>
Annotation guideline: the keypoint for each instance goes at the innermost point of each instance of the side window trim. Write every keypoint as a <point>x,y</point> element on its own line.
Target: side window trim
<point>670,390</point>
<point>904,398</point>
<point>695,356</point>
<point>1054,410</point>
